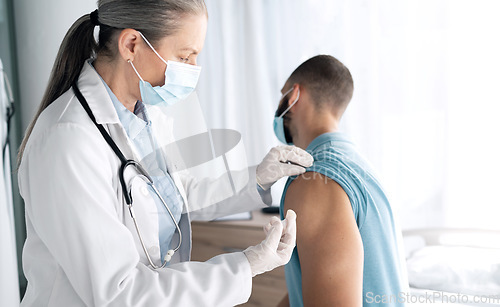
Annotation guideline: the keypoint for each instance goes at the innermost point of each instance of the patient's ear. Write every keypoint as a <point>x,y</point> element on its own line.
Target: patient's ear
<point>294,94</point>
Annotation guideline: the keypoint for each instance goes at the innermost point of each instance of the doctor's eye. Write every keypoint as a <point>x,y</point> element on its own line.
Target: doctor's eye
<point>184,60</point>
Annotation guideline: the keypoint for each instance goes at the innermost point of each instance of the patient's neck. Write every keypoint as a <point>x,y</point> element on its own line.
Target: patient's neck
<point>307,134</point>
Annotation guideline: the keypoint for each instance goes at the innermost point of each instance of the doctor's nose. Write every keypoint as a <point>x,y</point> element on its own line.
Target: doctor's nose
<point>193,60</point>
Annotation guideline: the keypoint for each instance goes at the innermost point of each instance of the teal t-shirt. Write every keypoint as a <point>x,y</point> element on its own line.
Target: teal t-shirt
<point>384,273</point>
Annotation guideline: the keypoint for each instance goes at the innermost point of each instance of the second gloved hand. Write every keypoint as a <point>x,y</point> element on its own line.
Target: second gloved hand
<point>276,249</point>
<point>282,161</point>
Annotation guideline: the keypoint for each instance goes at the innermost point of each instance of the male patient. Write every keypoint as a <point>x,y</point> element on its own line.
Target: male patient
<point>347,250</point>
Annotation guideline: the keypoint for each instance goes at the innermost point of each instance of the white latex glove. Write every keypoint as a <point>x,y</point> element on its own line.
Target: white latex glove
<point>276,164</point>
<point>276,249</point>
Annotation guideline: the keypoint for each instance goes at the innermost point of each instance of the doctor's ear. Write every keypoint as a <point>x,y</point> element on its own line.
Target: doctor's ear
<point>127,43</point>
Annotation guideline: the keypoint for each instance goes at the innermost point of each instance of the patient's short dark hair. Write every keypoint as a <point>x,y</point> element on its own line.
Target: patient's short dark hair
<point>328,81</point>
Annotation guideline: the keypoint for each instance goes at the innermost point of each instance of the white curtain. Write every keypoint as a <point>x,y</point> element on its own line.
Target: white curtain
<point>425,101</point>
<point>9,284</point>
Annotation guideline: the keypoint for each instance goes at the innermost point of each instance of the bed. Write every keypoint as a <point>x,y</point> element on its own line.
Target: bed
<point>456,267</point>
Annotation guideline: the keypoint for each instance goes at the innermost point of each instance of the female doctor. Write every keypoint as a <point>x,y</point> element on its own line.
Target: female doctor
<point>101,230</point>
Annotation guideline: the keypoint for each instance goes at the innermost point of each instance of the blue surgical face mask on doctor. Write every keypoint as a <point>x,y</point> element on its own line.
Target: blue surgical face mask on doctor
<point>180,81</point>
<point>279,129</point>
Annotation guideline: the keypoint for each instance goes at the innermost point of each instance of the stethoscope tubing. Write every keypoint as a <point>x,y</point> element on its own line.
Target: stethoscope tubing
<point>127,192</point>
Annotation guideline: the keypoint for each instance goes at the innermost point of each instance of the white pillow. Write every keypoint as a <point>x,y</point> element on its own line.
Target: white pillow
<point>456,269</point>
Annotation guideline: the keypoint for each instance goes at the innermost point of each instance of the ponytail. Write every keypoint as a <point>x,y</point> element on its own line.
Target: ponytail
<point>77,46</point>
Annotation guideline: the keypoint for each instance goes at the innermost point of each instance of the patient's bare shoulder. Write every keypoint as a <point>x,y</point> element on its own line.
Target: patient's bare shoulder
<point>316,191</point>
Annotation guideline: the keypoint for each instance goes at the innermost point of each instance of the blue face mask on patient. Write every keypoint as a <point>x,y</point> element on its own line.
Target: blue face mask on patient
<point>279,128</point>
<point>180,82</point>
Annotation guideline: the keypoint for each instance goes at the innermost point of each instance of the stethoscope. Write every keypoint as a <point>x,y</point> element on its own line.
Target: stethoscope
<point>126,192</point>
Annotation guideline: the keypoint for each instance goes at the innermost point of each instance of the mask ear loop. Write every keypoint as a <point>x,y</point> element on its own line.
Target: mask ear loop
<point>151,46</point>
<point>136,72</point>
<point>290,106</point>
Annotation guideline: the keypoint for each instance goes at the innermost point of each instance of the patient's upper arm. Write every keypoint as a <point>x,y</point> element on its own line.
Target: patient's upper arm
<point>328,242</point>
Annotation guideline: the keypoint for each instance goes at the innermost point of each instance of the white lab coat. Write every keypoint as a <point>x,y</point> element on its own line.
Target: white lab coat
<point>82,248</point>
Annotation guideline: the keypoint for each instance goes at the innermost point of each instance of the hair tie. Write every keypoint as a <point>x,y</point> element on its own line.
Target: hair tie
<point>94,18</point>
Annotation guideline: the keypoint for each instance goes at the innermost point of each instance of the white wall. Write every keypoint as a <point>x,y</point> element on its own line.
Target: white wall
<point>40,28</point>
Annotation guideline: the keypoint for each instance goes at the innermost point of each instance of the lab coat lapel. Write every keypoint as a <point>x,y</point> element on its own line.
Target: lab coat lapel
<point>93,90</point>
<point>100,103</point>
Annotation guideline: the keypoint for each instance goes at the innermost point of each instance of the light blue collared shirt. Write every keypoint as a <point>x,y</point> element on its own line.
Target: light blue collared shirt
<point>139,129</point>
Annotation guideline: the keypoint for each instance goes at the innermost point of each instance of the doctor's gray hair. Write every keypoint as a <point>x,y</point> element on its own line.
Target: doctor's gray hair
<point>156,19</point>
